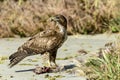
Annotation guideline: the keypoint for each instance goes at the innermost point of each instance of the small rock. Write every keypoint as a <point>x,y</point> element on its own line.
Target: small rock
<point>11,76</point>
<point>82,52</point>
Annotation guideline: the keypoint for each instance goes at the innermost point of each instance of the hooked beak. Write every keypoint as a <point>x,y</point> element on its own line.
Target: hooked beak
<point>53,19</point>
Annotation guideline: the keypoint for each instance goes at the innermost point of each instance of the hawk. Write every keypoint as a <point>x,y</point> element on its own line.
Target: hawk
<point>46,41</point>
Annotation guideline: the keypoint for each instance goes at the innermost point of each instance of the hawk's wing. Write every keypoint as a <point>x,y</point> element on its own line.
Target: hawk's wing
<point>38,44</point>
<point>42,42</point>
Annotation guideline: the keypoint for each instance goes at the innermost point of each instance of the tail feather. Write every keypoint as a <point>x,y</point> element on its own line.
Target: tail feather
<point>17,57</point>
<point>13,55</point>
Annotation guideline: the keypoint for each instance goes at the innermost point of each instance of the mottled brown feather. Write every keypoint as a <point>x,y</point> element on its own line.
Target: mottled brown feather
<point>42,42</point>
<point>46,41</point>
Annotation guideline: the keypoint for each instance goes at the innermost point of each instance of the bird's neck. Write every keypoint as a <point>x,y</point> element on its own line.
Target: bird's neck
<point>62,29</point>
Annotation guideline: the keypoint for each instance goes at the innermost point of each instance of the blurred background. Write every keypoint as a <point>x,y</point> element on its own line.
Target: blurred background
<point>24,18</point>
<point>88,57</point>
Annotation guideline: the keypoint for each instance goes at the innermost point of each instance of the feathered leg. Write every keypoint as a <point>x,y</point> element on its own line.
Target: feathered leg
<point>52,58</point>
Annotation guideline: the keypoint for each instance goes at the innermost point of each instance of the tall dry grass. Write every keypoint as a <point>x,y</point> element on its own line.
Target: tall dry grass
<point>27,17</point>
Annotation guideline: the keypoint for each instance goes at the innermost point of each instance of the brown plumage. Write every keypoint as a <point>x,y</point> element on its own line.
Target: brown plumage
<point>46,41</point>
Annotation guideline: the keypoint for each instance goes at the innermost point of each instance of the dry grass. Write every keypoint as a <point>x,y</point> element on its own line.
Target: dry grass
<point>107,65</point>
<point>27,17</point>
<point>104,65</point>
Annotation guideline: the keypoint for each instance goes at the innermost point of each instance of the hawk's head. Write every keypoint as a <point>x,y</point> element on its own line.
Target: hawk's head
<point>60,19</point>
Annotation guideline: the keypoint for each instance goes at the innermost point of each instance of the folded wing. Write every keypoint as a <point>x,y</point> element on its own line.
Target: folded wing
<point>38,44</point>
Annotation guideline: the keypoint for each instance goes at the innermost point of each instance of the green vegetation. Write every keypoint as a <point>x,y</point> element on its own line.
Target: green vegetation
<point>114,25</point>
<point>27,17</point>
<point>53,77</point>
<point>2,59</point>
<point>25,64</point>
<point>68,57</point>
<point>106,67</point>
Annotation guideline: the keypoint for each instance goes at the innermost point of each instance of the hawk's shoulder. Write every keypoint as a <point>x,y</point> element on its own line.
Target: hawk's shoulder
<point>46,33</point>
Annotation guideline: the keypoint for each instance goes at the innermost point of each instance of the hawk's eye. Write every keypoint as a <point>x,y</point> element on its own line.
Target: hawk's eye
<point>57,17</point>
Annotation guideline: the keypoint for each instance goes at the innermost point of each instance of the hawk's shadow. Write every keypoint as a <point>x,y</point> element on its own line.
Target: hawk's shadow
<point>66,67</point>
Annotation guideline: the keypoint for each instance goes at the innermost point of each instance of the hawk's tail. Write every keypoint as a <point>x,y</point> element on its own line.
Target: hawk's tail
<point>17,57</point>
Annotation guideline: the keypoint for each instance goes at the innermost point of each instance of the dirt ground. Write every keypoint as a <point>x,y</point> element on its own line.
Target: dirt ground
<point>65,57</point>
